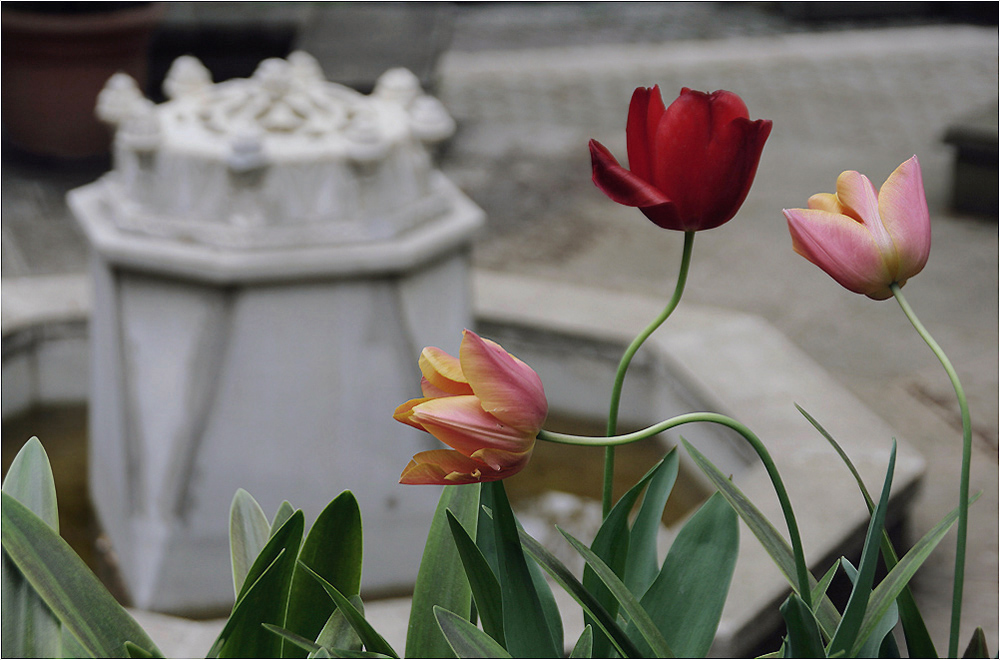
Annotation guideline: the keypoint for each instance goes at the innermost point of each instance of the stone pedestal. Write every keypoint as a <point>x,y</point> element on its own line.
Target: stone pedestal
<point>261,292</point>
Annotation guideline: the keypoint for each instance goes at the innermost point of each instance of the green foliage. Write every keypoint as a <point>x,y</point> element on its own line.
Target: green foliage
<point>441,580</point>
<point>522,607</point>
<point>30,627</point>
<point>686,599</point>
<point>466,640</point>
<point>918,639</point>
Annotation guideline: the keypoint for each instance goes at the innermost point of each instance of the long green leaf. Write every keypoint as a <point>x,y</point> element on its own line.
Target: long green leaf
<point>686,599</point>
<point>248,534</point>
<point>584,647</point>
<point>773,543</point>
<point>263,597</point>
<point>333,549</point>
<point>804,640</point>
<point>441,580</point>
<point>819,591</point>
<point>918,640</point>
<point>372,640</point>
<point>338,633</point>
<point>611,544</point>
<point>466,640</point>
<point>846,635</point>
<point>281,516</point>
<point>522,608</point>
<point>565,578</point>
<point>627,601</point>
<point>485,586</point>
<point>67,586</point>
<point>889,588</point>
<point>870,647</point>
<point>642,565</point>
<point>30,629</point>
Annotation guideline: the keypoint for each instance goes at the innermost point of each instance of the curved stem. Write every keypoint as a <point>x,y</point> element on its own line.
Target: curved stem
<point>963,487</point>
<point>714,418</point>
<point>616,390</point>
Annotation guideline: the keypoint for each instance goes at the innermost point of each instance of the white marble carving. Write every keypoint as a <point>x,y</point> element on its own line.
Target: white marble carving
<point>269,257</point>
<point>373,150</point>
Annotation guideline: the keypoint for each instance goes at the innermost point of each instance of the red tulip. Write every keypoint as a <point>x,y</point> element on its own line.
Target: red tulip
<point>486,404</point>
<point>865,240</point>
<point>691,164</point>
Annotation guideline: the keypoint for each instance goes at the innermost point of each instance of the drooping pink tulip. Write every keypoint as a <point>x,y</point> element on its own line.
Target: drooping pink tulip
<point>690,165</point>
<point>865,240</point>
<point>486,405</point>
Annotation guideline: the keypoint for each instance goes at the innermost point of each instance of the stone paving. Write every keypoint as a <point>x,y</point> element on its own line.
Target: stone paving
<point>530,86</point>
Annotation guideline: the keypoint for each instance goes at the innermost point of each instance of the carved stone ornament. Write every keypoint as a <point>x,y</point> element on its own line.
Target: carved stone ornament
<point>284,158</point>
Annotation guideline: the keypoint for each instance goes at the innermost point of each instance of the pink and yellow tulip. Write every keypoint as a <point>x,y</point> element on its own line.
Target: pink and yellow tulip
<point>486,405</point>
<point>865,240</point>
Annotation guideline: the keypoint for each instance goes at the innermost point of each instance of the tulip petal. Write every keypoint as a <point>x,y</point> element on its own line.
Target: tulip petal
<point>500,460</point>
<point>902,205</point>
<point>618,183</point>
<point>858,197</point>
<point>443,371</point>
<point>826,202</point>
<point>404,413</point>
<point>446,467</point>
<point>507,388</point>
<point>644,113</point>
<point>843,248</point>
<point>462,424</point>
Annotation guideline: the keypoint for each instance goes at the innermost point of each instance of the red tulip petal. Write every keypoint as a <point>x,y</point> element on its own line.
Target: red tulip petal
<point>843,248</point>
<point>902,205</point>
<point>644,113</point>
<point>507,388</point>
<point>462,424</point>
<point>443,371</point>
<point>618,183</point>
<point>665,215</point>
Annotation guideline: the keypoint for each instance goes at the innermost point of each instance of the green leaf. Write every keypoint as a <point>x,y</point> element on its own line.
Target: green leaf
<point>441,580</point>
<point>584,647</point>
<point>889,588</point>
<point>686,599</point>
<point>846,637</point>
<point>522,608</point>
<point>466,640</point>
<point>134,651</point>
<point>918,640</point>
<point>281,516</point>
<point>642,565</point>
<point>977,646</point>
<point>248,534</point>
<point>804,640</point>
<point>871,647</point>
<point>611,544</point>
<point>565,578</point>
<point>369,636</point>
<point>819,591</point>
<point>30,628</point>
<point>338,633</point>
<point>307,645</point>
<point>263,597</point>
<point>333,549</point>
<point>485,587</point>
<point>69,589</point>
<point>627,601</point>
<point>774,544</point>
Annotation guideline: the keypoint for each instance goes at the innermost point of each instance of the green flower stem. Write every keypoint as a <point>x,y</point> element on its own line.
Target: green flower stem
<point>714,418</point>
<point>616,390</point>
<point>963,486</point>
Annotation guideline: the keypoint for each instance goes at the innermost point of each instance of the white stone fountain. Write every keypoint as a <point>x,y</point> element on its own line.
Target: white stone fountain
<point>269,256</point>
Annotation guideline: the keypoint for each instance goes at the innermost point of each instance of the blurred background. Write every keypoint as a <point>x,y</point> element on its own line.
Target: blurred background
<point>849,85</point>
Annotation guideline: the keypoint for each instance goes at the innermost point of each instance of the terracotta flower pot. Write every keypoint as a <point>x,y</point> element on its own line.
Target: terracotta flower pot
<point>54,65</point>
